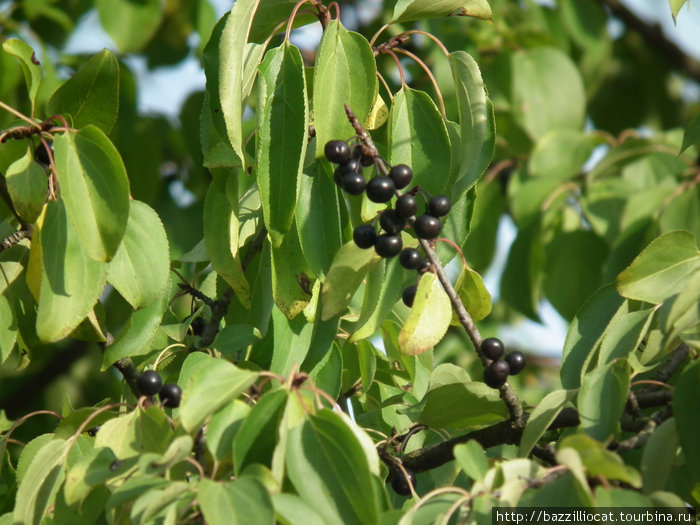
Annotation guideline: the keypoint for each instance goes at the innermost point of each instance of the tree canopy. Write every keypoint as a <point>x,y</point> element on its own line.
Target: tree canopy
<point>269,305</point>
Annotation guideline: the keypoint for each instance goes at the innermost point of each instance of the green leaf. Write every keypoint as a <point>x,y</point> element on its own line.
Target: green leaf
<point>600,462</point>
<point>282,137</point>
<point>141,267</point>
<point>520,283</point>
<point>225,60</point>
<point>544,414</point>
<point>214,383</point>
<point>296,337</point>
<point>8,329</point>
<point>44,476</point>
<point>345,73</point>
<point>462,406</point>
<point>235,502</point>
<point>477,124</point>
<point>662,269</point>
<point>409,10</point>
<point>676,6</point>
<point>91,95</point>
<point>625,335</point>
<point>136,433</point>
<point>329,470</point>
<point>29,63</point>
<point>560,154</point>
<point>471,457</point>
<point>256,438</point>
<point>289,272</point>
<point>223,427</point>
<point>221,230</point>
<point>417,136</point>
<point>548,91</point>
<point>291,509</point>
<point>382,290</point>
<point>71,282</point>
<point>659,456</point>
<point>319,219</point>
<point>585,333</point>
<point>602,399</point>
<point>130,24</point>
<point>27,185</point>
<point>349,267</point>
<point>160,502</point>
<point>429,318</point>
<point>95,189</point>
<point>685,409</point>
<point>691,137</point>
<point>474,295</point>
<point>581,253</point>
<point>138,333</point>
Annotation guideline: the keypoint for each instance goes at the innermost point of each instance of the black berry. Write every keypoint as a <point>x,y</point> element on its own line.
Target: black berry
<point>388,245</point>
<point>492,348</point>
<point>41,155</point>
<point>408,295</point>
<point>423,266</point>
<point>410,259</point>
<point>427,226</point>
<point>353,183</point>
<point>364,236</point>
<point>380,189</point>
<point>516,361</point>
<point>401,175</point>
<point>337,151</point>
<point>496,374</point>
<point>406,206</point>
<point>197,325</point>
<point>148,383</point>
<point>401,484</point>
<point>170,395</point>
<point>391,222</point>
<point>351,166</point>
<point>439,206</point>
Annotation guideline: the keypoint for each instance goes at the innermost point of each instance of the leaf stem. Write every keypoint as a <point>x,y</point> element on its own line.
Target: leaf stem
<point>425,68</point>
<point>19,115</point>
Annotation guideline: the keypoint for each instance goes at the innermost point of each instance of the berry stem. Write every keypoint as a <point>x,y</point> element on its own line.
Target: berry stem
<point>508,395</point>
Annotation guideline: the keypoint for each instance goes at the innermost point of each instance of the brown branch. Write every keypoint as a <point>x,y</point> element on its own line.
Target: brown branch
<point>130,373</point>
<point>655,36</point>
<point>506,392</point>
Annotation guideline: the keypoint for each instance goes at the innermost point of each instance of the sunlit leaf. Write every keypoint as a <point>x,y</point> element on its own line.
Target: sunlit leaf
<point>27,185</point>
<point>408,10</point>
<point>602,399</point>
<point>429,318</point>
<point>29,63</point>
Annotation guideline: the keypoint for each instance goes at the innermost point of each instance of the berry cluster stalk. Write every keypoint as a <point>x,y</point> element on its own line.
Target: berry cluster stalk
<point>508,395</point>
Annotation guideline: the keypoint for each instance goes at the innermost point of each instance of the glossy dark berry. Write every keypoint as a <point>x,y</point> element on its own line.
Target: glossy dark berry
<point>351,166</point>
<point>423,266</point>
<point>391,222</point>
<point>388,245</point>
<point>410,258</point>
<point>516,361</point>
<point>406,206</point>
<point>337,151</point>
<point>170,395</point>
<point>496,374</point>
<point>353,183</point>
<point>148,383</point>
<point>492,348</point>
<point>401,175</point>
<point>427,226</point>
<point>439,206</point>
<point>400,484</point>
<point>380,189</point>
<point>364,236</point>
<point>409,294</point>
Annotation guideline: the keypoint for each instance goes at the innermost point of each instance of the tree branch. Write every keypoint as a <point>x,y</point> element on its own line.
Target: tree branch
<point>653,34</point>
<point>506,392</point>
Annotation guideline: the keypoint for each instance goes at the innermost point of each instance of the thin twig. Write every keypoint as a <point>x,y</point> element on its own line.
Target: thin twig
<point>506,392</point>
<point>10,241</point>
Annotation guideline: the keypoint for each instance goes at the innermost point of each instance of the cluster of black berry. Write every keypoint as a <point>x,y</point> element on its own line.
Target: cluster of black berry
<point>496,374</point>
<point>149,383</point>
<point>381,189</point>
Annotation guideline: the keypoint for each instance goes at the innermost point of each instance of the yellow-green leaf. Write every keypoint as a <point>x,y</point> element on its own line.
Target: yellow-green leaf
<point>429,318</point>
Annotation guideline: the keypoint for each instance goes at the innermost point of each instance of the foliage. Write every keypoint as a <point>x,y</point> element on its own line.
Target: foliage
<point>310,393</point>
